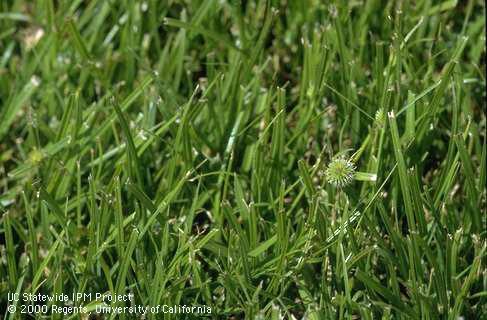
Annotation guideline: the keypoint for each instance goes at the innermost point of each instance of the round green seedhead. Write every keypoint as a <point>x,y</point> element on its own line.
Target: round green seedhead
<point>380,117</point>
<point>35,156</point>
<point>340,172</point>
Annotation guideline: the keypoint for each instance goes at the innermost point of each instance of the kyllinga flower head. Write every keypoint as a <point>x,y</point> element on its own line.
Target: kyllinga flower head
<point>380,117</point>
<point>340,172</point>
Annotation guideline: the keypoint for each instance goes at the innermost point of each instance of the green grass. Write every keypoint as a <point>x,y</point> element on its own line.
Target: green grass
<point>181,151</point>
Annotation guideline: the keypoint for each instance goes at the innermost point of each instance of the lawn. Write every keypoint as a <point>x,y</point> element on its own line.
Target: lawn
<point>233,159</point>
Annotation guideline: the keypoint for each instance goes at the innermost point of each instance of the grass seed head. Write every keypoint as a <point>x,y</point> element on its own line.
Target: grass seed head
<point>380,117</point>
<point>340,172</point>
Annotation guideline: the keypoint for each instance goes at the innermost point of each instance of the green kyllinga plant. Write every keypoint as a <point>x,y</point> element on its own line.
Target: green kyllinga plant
<point>341,171</point>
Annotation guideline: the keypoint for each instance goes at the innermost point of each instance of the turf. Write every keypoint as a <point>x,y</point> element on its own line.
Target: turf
<point>268,159</point>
